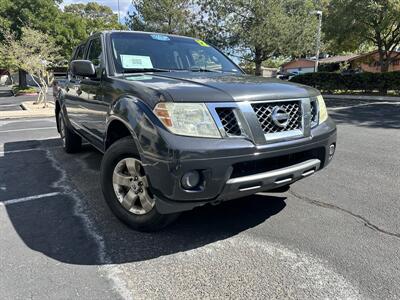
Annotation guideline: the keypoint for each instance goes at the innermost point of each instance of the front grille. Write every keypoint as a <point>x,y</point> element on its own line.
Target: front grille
<point>314,113</point>
<point>264,112</point>
<point>229,121</point>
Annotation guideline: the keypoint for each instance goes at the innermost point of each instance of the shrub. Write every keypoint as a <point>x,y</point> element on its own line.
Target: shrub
<point>366,82</point>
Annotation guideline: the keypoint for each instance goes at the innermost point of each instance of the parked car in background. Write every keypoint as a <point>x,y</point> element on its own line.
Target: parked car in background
<point>181,125</point>
<point>287,76</point>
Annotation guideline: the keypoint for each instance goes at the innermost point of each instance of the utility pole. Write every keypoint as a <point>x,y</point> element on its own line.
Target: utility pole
<point>318,13</point>
<point>119,17</point>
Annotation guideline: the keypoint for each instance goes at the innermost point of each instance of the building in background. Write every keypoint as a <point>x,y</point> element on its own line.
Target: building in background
<point>299,66</point>
<point>368,62</point>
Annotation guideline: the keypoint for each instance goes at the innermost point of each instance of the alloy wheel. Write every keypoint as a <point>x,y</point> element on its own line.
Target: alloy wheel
<point>131,186</point>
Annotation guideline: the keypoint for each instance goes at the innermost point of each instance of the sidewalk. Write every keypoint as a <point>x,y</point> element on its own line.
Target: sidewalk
<point>21,106</point>
<point>362,98</point>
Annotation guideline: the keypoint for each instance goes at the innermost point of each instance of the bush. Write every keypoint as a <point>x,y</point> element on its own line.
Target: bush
<point>366,82</point>
<point>17,90</point>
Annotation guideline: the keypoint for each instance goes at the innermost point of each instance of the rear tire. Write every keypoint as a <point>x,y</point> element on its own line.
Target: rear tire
<point>126,188</point>
<point>72,142</point>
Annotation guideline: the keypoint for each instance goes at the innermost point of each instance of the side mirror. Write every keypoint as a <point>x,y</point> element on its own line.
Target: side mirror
<point>83,68</point>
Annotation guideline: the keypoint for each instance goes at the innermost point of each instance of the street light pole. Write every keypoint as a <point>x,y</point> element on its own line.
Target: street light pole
<point>119,17</point>
<point>319,16</point>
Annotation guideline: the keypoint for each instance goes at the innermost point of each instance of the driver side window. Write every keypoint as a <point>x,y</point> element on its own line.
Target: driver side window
<point>95,55</point>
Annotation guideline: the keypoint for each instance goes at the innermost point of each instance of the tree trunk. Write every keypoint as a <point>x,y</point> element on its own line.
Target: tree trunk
<point>384,63</point>
<point>22,78</point>
<point>258,62</point>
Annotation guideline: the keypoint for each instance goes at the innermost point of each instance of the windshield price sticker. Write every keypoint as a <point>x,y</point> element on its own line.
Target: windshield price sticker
<point>136,62</point>
<point>160,37</point>
<point>202,43</point>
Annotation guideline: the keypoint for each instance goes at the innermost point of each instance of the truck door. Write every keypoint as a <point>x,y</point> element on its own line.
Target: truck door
<point>73,96</point>
<point>94,119</point>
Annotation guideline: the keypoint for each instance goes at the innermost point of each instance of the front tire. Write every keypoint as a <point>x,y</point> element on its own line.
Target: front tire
<point>126,188</point>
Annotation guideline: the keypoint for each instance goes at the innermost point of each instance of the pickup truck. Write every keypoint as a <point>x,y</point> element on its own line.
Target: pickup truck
<point>181,125</point>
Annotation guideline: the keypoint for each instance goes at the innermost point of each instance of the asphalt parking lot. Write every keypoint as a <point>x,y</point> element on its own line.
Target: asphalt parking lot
<point>333,235</point>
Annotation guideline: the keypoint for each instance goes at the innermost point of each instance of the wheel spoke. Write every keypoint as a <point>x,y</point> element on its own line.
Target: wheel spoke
<point>121,179</point>
<point>129,199</point>
<point>133,166</point>
<point>145,181</point>
<point>146,202</point>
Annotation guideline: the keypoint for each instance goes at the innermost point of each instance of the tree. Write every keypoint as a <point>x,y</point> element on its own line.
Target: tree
<point>96,17</point>
<point>38,14</point>
<point>168,16</point>
<point>351,23</point>
<point>33,52</point>
<point>258,30</point>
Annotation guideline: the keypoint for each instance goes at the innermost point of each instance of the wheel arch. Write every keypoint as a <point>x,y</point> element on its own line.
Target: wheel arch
<point>118,128</point>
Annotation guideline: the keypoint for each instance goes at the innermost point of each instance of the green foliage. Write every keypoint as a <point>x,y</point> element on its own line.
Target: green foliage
<point>168,16</point>
<point>353,23</point>
<point>38,14</point>
<point>66,29</point>
<point>33,52</point>
<point>94,17</point>
<point>259,29</point>
<point>17,90</point>
<point>366,82</point>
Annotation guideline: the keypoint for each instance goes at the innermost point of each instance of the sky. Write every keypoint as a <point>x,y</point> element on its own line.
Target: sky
<point>124,5</point>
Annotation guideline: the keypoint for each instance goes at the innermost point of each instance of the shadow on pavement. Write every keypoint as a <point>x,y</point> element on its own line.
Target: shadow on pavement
<point>52,226</point>
<point>373,115</point>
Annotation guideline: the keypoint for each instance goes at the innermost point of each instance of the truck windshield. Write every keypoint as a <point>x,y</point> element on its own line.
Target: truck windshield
<point>140,52</point>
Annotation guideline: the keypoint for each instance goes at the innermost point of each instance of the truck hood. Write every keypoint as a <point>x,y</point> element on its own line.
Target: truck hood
<point>219,87</point>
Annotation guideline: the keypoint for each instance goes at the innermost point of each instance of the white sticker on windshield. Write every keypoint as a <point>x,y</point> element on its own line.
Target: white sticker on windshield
<point>136,62</point>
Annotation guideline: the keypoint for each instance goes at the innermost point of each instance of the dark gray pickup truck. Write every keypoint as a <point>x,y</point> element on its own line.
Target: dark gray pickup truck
<point>181,125</point>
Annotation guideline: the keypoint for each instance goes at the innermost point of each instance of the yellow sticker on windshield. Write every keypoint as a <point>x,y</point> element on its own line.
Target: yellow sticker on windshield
<point>201,43</point>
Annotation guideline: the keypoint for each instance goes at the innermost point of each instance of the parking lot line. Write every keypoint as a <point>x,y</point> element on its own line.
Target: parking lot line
<point>30,198</point>
<point>26,129</point>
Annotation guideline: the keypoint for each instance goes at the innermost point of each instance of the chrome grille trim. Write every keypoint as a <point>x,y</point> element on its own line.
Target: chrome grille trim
<point>250,125</point>
<point>264,113</point>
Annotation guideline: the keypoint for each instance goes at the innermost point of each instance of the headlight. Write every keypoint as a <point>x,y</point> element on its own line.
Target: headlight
<point>323,112</point>
<point>191,119</point>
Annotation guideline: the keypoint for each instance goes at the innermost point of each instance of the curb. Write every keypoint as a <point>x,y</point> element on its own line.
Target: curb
<point>27,112</point>
<point>363,98</point>
<point>24,114</point>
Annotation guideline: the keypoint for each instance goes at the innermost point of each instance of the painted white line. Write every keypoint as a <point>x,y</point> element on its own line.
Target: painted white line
<point>27,150</point>
<point>111,270</point>
<point>4,105</point>
<point>27,129</point>
<point>360,105</point>
<point>30,198</point>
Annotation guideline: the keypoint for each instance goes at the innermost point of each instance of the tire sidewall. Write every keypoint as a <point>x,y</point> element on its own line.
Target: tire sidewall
<point>122,149</point>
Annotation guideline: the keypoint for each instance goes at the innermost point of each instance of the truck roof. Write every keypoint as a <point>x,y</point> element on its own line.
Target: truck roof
<point>144,32</point>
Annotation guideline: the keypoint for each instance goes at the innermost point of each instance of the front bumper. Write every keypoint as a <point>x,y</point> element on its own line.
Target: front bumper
<point>222,162</point>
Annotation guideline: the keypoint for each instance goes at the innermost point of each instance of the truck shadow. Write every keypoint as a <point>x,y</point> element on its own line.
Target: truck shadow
<point>77,227</point>
<point>372,115</point>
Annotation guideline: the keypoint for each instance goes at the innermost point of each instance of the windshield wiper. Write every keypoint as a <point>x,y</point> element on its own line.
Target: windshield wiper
<point>143,70</point>
<point>198,69</point>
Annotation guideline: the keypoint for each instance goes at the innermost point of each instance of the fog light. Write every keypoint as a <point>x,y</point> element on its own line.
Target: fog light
<point>190,180</point>
<point>332,149</point>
